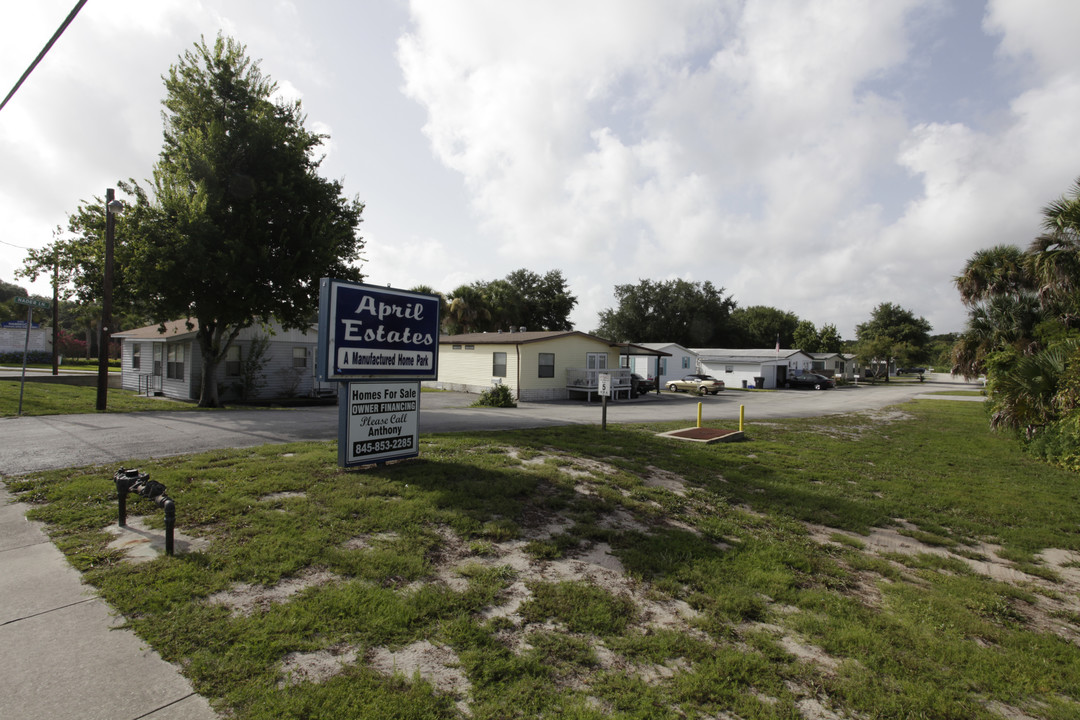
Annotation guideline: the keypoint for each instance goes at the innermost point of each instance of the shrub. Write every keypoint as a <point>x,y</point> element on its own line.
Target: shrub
<point>34,357</point>
<point>498,396</point>
<point>68,345</point>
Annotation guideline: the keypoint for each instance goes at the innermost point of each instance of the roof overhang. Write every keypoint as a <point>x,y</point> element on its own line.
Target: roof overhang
<point>632,349</point>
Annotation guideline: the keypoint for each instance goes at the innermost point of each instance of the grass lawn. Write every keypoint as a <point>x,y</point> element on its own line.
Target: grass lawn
<point>57,399</point>
<point>898,564</point>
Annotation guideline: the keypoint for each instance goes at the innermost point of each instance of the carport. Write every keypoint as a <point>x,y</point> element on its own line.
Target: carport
<point>629,350</point>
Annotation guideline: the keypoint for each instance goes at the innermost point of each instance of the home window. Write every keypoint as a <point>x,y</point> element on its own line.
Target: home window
<point>498,364</point>
<point>232,361</point>
<point>157,359</point>
<point>729,368</point>
<point>663,366</point>
<point>299,357</point>
<point>686,363</point>
<point>455,347</point>
<point>547,365</point>
<point>174,362</point>
<point>136,356</point>
<point>472,347</point>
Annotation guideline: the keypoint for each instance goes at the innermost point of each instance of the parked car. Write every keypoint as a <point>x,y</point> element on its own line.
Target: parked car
<point>643,385</point>
<point>701,384</point>
<point>911,371</point>
<point>810,381</point>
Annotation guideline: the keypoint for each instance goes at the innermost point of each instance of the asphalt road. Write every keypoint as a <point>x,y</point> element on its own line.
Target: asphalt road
<point>29,444</point>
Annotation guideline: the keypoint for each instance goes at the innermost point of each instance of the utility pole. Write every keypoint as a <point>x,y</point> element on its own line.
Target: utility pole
<point>55,312</point>
<point>112,206</point>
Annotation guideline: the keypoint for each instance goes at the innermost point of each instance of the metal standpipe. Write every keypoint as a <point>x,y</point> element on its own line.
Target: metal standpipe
<point>132,481</point>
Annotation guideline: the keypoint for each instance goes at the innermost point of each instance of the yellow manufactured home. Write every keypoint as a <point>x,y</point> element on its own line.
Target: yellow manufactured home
<point>539,365</point>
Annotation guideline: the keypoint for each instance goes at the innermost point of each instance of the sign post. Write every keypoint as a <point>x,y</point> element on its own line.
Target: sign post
<point>378,344</point>
<point>30,304</point>
<point>603,388</point>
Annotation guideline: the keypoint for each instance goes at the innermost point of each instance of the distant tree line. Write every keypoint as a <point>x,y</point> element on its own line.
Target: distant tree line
<point>699,314</point>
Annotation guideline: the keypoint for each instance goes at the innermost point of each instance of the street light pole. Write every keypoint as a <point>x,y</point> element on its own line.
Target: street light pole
<point>111,207</point>
<point>56,312</point>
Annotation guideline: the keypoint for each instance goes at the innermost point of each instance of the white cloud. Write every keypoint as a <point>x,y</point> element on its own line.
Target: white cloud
<point>777,148</point>
<point>1042,30</point>
<point>669,155</point>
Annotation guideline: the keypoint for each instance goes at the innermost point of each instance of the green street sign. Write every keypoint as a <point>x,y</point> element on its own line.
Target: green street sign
<point>32,302</point>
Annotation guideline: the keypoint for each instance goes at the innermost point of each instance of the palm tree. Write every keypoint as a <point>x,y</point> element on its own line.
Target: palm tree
<point>468,310</point>
<point>1022,396</point>
<point>1004,308</point>
<point>1024,309</point>
<point>444,306</point>
<point>1053,259</point>
<point>995,271</point>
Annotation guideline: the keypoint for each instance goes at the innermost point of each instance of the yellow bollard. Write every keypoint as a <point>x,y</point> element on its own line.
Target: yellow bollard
<point>699,414</point>
<point>742,413</point>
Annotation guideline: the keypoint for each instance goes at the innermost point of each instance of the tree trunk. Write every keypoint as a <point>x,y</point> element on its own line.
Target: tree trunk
<point>212,344</point>
<point>208,391</point>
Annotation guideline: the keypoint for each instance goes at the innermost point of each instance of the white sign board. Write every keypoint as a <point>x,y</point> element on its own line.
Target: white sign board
<point>603,381</point>
<point>381,421</point>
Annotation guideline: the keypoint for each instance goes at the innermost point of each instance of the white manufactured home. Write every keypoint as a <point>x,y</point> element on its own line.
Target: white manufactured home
<point>166,360</point>
<point>755,368</point>
<point>676,363</point>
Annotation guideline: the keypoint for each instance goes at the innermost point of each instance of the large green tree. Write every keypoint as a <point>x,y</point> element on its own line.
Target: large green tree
<point>679,311</point>
<point>237,227</point>
<point>761,326</point>
<point>892,334</point>
<point>545,302</point>
<point>829,339</point>
<point>523,299</point>
<point>806,336</point>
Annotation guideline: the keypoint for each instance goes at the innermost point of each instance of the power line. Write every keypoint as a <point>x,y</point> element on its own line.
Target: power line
<point>48,45</point>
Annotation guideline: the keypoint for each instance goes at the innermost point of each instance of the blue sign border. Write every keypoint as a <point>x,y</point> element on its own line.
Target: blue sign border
<point>371,332</point>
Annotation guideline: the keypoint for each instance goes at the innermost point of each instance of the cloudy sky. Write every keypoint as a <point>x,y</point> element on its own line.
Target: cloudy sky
<point>819,156</point>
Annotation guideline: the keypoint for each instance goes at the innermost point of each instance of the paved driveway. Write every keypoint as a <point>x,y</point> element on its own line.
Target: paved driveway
<point>29,444</point>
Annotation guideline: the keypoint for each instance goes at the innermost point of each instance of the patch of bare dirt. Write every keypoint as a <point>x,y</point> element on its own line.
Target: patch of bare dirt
<point>365,542</point>
<point>876,419</point>
<point>812,709</point>
<point>141,543</point>
<point>244,599</point>
<point>437,664</point>
<point>798,647</point>
<point>572,466</point>
<point>287,495</point>
<point>318,666</point>
<point>1008,712</point>
<point>1053,600</point>
<point>655,477</point>
<point>622,520</point>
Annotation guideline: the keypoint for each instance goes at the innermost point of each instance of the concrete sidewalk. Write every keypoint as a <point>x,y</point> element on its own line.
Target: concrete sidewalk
<point>61,652</point>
